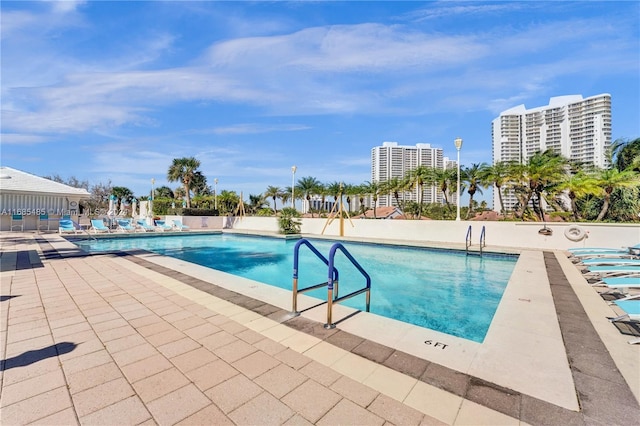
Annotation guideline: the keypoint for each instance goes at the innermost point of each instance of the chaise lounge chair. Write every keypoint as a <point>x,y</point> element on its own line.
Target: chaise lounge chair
<point>605,270</point>
<point>163,226</point>
<point>595,251</point>
<point>177,224</point>
<point>141,224</point>
<point>66,226</point>
<point>97,225</point>
<point>124,225</point>
<point>610,261</point>
<point>631,309</point>
<point>620,285</point>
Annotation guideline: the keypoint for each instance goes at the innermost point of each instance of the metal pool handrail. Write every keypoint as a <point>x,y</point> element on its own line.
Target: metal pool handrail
<point>483,242</point>
<point>330,299</point>
<point>468,239</point>
<point>296,253</point>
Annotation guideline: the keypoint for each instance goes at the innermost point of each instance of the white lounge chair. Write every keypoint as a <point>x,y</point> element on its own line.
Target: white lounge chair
<point>97,225</point>
<point>613,270</point>
<point>610,261</point>
<point>141,224</point>
<point>620,285</point>
<point>594,251</point>
<point>66,226</point>
<point>177,224</point>
<point>124,225</point>
<point>163,226</point>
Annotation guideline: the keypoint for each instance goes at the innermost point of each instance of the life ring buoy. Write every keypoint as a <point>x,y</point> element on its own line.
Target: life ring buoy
<point>575,233</point>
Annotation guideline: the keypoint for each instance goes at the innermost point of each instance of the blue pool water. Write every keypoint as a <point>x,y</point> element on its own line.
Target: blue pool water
<point>439,289</point>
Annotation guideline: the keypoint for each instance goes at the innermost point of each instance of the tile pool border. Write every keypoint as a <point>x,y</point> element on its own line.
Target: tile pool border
<point>606,407</point>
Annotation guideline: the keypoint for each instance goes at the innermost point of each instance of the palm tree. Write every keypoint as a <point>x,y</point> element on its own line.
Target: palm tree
<point>611,179</point>
<point>256,203</point>
<point>308,186</point>
<point>285,195</point>
<point>199,184</point>
<point>444,178</point>
<point>350,191</point>
<point>395,186</point>
<point>531,180</point>
<point>274,192</point>
<point>321,190</point>
<point>473,177</point>
<point>419,177</point>
<point>184,170</point>
<point>627,154</point>
<point>334,189</point>
<point>373,189</point>
<point>497,175</point>
<point>360,192</point>
<point>578,185</point>
<point>163,192</point>
<point>227,201</point>
<point>123,194</point>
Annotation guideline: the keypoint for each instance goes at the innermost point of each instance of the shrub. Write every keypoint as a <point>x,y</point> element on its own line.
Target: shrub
<point>288,221</point>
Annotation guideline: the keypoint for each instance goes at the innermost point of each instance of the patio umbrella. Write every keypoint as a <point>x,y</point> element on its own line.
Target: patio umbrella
<point>112,206</point>
<point>123,210</point>
<point>134,206</point>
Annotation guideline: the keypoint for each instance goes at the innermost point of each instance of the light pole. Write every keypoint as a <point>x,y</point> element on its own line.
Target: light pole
<point>458,143</point>
<point>153,181</point>
<point>293,186</point>
<point>215,193</point>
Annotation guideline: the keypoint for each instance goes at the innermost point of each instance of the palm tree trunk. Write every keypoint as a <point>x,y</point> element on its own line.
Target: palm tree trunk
<point>605,207</point>
<point>500,199</point>
<point>470,206</point>
<point>187,196</point>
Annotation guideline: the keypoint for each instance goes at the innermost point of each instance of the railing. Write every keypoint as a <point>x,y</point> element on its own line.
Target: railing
<point>468,242</point>
<point>296,254</point>
<point>81,229</point>
<point>330,299</point>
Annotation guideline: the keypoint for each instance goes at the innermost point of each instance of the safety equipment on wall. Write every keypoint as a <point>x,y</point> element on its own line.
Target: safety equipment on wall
<point>575,233</point>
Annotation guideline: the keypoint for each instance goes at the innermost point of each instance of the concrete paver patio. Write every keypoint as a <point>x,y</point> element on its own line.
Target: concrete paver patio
<point>103,340</point>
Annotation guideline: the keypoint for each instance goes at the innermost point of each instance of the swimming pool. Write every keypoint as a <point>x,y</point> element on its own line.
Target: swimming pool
<point>444,290</point>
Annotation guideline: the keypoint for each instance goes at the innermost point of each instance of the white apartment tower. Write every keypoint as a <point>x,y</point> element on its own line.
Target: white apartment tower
<point>392,160</point>
<point>577,128</point>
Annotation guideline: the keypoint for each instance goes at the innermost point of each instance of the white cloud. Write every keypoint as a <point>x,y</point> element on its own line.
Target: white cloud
<point>252,128</point>
<point>22,138</point>
<point>364,68</point>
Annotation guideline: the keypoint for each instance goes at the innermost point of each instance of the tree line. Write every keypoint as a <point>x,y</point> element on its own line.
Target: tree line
<point>547,183</point>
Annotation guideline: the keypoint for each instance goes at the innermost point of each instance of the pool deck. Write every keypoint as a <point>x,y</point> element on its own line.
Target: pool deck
<point>138,338</point>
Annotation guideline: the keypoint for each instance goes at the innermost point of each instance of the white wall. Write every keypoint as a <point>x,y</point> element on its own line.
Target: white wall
<point>506,234</point>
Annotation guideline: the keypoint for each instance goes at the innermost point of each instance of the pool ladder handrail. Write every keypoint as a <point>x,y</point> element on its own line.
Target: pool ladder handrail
<point>468,241</point>
<point>483,239</point>
<point>330,297</point>
<point>81,229</point>
<point>296,290</point>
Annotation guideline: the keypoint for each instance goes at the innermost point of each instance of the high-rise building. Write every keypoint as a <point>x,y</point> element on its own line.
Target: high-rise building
<point>578,129</point>
<point>396,161</point>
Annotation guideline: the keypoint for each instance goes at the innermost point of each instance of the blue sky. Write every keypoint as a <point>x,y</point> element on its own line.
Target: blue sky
<point>110,90</point>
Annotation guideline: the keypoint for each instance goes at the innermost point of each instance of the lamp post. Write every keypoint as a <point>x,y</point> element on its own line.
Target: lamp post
<point>215,193</point>
<point>458,144</point>
<point>153,181</point>
<point>293,186</point>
